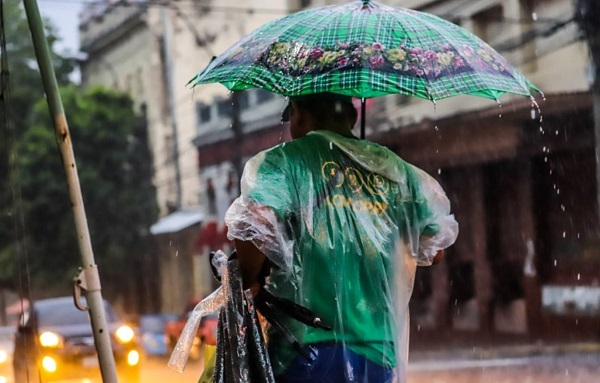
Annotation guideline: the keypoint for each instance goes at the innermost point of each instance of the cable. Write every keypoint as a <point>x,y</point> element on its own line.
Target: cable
<point>21,253</point>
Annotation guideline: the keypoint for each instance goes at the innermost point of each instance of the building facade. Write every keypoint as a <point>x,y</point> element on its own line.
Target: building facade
<point>522,180</point>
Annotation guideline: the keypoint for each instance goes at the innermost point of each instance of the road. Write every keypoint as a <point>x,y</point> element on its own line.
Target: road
<point>570,368</point>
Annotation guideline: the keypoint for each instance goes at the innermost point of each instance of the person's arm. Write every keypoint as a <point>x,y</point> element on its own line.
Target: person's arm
<point>251,262</point>
<point>439,257</point>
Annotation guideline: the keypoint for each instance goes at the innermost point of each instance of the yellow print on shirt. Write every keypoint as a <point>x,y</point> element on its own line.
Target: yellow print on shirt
<point>338,176</point>
<point>358,205</point>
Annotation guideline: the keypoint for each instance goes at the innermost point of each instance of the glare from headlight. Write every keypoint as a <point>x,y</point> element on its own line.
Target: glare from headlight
<point>133,358</point>
<point>124,334</point>
<point>49,339</point>
<point>49,364</point>
<point>3,358</point>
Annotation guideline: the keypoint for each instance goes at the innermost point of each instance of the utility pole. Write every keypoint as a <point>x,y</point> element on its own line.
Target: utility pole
<point>89,275</point>
<point>166,55</point>
<point>236,122</point>
<point>587,14</point>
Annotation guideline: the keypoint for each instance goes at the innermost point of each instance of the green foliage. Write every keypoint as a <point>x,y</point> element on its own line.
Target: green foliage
<point>114,167</point>
<point>16,106</point>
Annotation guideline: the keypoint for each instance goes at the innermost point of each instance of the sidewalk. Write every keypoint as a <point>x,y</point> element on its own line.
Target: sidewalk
<point>503,352</point>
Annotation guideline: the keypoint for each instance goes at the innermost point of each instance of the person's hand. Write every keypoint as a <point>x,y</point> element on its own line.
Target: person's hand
<point>438,257</point>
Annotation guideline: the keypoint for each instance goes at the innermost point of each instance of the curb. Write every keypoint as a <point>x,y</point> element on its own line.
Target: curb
<point>504,352</point>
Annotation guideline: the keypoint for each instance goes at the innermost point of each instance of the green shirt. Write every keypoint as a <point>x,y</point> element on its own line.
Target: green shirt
<point>346,206</point>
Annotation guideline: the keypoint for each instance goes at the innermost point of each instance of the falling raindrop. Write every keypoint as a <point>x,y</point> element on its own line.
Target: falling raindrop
<point>456,302</point>
<point>532,114</point>
<point>330,145</point>
<point>534,16</point>
<point>577,235</point>
<point>545,159</point>
<point>436,128</point>
<point>437,151</point>
<point>439,171</point>
<point>578,276</point>
<point>557,191</point>
<point>170,243</point>
<point>418,328</point>
<point>564,234</point>
<point>562,207</point>
<point>555,262</point>
<point>177,253</point>
<point>556,132</point>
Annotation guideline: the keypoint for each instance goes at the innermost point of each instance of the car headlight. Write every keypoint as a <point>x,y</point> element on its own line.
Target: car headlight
<point>50,339</point>
<point>3,357</point>
<point>124,334</point>
<point>49,364</point>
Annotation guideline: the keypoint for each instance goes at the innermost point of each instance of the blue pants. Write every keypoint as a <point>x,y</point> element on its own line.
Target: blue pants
<point>334,363</point>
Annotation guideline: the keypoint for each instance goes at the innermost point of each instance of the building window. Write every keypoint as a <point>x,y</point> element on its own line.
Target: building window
<point>487,23</point>
<point>224,108</point>
<point>264,96</point>
<point>202,112</point>
<point>243,99</point>
<point>305,3</point>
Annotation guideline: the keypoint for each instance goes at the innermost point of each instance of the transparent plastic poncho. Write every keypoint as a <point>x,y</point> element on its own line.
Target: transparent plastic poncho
<point>344,222</point>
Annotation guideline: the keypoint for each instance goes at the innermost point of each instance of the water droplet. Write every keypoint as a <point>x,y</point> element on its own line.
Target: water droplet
<point>557,191</point>
<point>532,114</point>
<point>436,128</point>
<point>544,149</point>
<point>418,328</point>
<point>177,253</point>
<point>170,243</point>
<point>562,207</point>
<point>439,171</point>
<point>534,16</point>
<point>500,115</point>
<point>556,133</point>
<point>555,262</point>
<point>577,235</point>
<point>330,145</point>
<point>437,151</point>
<point>456,302</point>
<point>564,234</point>
<point>545,159</point>
<point>578,276</point>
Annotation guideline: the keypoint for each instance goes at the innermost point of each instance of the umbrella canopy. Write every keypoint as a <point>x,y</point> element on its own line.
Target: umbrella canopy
<point>365,49</point>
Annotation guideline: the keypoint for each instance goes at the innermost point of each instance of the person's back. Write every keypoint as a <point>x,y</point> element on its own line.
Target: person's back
<point>341,219</point>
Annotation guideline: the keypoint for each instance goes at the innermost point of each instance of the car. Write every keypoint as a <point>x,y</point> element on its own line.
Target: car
<point>152,327</point>
<point>54,341</point>
<point>206,331</point>
<point>7,335</point>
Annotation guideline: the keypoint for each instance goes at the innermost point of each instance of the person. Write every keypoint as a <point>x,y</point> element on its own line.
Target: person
<point>343,222</point>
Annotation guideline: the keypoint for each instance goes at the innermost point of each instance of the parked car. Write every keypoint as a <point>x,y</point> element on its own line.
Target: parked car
<point>152,327</point>
<point>7,339</point>
<point>56,343</point>
<point>206,331</point>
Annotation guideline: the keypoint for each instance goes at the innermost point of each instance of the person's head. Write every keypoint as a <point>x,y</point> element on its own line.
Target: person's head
<point>321,111</point>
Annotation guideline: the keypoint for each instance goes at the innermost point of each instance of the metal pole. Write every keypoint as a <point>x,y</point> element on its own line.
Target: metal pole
<point>169,79</point>
<point>363,117</point>
<point>63,138</point>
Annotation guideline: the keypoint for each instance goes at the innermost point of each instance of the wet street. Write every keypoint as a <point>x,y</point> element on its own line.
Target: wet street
<point>571,368</point>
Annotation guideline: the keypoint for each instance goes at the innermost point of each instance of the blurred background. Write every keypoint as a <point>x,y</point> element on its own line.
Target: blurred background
<point>160,163</point>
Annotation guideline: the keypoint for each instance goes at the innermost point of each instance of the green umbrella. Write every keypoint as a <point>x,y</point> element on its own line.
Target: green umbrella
<point>365,49</point>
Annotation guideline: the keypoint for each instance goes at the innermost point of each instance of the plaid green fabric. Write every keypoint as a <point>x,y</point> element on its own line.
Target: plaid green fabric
<point>364,50</point>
